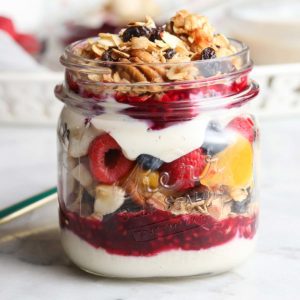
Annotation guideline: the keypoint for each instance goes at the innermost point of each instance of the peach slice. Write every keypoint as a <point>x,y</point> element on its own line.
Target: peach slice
<point>231,167</point>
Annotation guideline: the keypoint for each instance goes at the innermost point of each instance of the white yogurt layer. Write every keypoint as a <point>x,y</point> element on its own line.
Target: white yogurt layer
<point>166,264</point>
<point>168,144</point>
<point>135,137</point>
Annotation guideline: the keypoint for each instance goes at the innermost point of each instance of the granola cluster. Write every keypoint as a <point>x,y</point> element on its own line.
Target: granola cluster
<point>147,188</point>
<point>138,47</point>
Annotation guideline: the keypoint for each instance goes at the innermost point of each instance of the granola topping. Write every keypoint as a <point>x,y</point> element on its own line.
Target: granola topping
<point>186,38</point>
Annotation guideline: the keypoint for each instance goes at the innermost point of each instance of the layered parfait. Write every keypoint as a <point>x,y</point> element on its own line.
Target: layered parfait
<point>157,151</point>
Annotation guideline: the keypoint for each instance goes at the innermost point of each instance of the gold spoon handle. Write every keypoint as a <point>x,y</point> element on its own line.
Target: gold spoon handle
<point>25,206</point>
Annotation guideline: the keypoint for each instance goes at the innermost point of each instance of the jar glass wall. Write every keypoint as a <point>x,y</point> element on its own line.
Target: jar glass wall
<point>157,179</point>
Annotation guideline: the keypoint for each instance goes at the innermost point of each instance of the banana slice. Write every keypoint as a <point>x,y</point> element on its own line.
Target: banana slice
<point>108,199</point>
<point>80,140</point>
<point>82,175</point>
<point>79,136</point>
<point>72,118</point>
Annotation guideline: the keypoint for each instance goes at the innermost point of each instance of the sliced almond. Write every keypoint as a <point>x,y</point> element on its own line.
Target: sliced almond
<point>120,53</point>
<point>97,50</point>
<point>141,43</point>
<point>172,40</point>
<point>109,39</point>
<point>161,44</point>
<point>148,23</point>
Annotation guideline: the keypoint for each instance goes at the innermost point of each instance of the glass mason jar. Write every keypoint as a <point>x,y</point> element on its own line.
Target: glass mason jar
<point>157,179</point>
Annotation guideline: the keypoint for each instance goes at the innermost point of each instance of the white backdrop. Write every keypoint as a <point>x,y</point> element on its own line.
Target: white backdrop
<point>35,16</point>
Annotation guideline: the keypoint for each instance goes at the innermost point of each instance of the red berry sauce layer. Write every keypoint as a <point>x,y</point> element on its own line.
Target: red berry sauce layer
<point>147,233</point>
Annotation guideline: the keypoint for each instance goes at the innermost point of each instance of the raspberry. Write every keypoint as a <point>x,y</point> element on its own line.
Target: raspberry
<point>7,25</point>
<point>172,106</point>
<point>107,162</point>
<point>185,171</point>
<point>244,126</point>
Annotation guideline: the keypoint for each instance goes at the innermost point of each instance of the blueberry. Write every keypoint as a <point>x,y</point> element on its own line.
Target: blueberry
<point>169,53</point>
<point>148,162</point>
<point>240,207</point>
<point>215,140</point>
<point>135,31</point>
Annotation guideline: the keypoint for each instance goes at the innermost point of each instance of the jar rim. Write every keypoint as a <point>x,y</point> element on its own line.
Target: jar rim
<point>205,104</point>
<point>77,63</point>
<point>69,54</point>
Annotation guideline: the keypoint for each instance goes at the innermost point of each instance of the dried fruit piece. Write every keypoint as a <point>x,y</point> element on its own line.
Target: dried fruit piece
<point>135,31</point>
<point>107,162</point>
<point>108,199</point>
<point>169,53</point>
<point>233,167</point>
<point>156,33</point>
<point>107,55</point>
<point>208,53</point>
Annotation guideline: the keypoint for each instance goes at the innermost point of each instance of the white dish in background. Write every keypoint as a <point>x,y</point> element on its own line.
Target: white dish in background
<point>28,97</point>
<point>271,29</point>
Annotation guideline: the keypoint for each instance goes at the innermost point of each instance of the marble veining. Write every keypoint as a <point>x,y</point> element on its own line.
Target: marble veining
<point>33,265</point>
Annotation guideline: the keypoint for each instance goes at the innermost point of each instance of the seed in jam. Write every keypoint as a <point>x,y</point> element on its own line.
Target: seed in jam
<point>208,53</point>
<point>169,53</point>
<point>135,31</point>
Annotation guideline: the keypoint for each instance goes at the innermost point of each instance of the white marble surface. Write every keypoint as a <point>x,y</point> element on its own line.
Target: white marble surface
<point>33,266</point>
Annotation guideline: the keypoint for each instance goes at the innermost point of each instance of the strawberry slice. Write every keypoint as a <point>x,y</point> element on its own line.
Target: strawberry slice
<point>245,126</point>
<point>107,162</point>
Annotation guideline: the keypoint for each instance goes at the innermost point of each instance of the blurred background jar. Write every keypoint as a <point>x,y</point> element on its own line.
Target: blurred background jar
<point>270,28</point>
